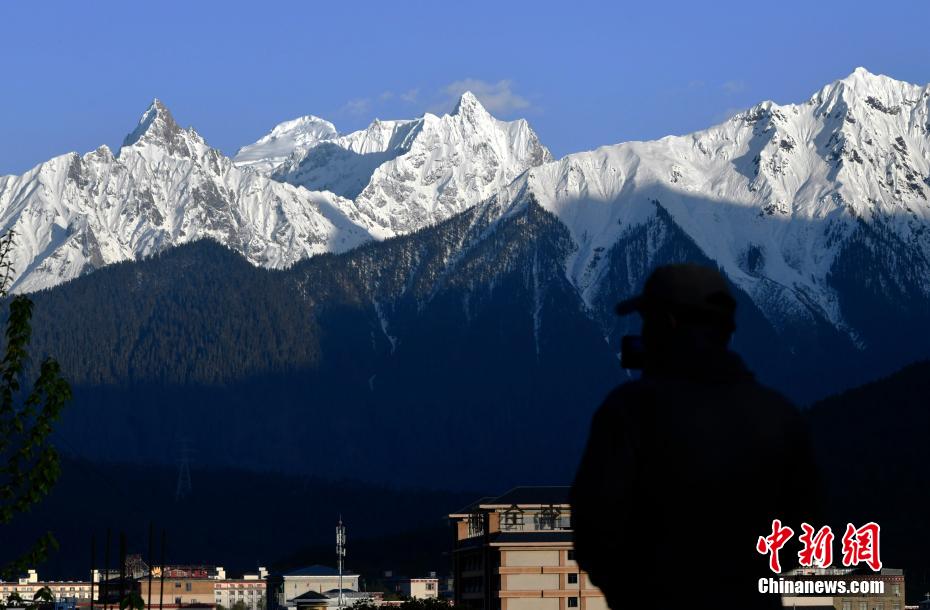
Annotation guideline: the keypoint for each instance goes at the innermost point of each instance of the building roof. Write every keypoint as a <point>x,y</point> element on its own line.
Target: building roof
<point>539,496</point>
<point>319,570</point>
<point>473,506</point>
<point>309,596</point>
<point>526,496</point>
<point>345,591</point>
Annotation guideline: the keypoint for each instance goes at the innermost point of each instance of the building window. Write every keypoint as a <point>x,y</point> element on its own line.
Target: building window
<point>177,600</point>
<point>573,579</point>
<point>570,555</point>
<point>177,585</point>
<point>572,602</point>
<point>187,586</point>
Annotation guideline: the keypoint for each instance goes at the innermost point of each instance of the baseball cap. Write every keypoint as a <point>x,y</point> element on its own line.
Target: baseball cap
<point>683,287</point>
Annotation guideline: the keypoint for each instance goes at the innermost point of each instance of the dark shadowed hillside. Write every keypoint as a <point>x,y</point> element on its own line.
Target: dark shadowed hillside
<point>459,356</point>
<point>872,443</point>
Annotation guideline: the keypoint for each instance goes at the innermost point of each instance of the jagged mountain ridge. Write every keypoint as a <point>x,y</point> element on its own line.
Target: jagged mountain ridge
<point>74,214</point>
<point>166,186</point>
<point>778,196</point>
<point>404,175</point>
<point>788,199</point>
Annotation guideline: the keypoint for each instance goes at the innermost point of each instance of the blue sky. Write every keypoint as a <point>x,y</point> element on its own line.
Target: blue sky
<point>76,75</point>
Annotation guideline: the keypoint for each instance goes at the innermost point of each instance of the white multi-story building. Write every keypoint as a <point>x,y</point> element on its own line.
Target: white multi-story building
<point>285,590</point>
<point>250,589</point>
<point>27,586</point>
<point>419,588</point>
<point>320,579</point>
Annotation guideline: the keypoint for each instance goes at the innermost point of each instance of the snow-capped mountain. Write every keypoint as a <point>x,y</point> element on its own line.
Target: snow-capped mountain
<point>287,138</point>
<point>788,199</point>
<point>775,195</point>
<point>74,213</point>
<point>497,316</point>
<point>165,187</point>
<point>404,175</point>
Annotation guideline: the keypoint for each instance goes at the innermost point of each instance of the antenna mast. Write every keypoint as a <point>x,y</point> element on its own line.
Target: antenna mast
<point>340,556</point>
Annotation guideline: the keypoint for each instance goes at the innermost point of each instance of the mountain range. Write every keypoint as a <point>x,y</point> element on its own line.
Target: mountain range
<point>443,281</point>
<point>166,186</point>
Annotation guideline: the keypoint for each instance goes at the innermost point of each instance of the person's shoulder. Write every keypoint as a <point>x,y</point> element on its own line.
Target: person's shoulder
<point>625,398</point>
<point>634,390</point>
<point>773,402</point>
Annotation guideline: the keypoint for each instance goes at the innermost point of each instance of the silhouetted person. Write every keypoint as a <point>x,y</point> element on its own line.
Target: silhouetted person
<point>686,467</point>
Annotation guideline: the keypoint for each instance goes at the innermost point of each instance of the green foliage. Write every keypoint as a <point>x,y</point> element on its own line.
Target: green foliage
<point>240,605</point>
<point>28,462</point>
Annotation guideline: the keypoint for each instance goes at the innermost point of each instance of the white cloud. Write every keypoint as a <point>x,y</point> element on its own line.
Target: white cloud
<point>498,98</point>
<point>733,86</point>
<point>357,106</point>
<point>410,96</point>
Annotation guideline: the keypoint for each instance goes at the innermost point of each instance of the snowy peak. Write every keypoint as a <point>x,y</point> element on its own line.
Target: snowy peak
<point>775,195</point>
<point>305,128</point>
<point>167,187</point>
<point>469,108</point>
<point>405,175</point>
<point>157,128</point>
<point>293,137</point>
<point>865,90</point>
<point>865,84</point>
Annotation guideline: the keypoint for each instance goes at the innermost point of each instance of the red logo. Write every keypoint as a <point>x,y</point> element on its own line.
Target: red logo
<point>861,545</point>
<point>771,544</point>
<point>818,548</point>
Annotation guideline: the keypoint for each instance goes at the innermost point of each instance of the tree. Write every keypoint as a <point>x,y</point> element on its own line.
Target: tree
<point>29,464</point>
